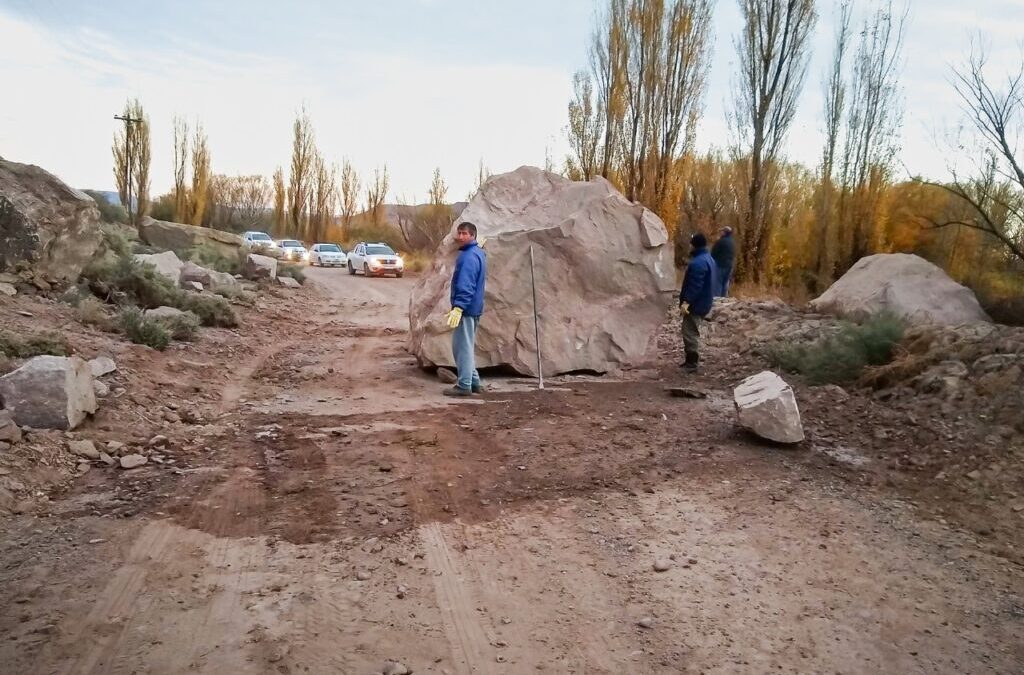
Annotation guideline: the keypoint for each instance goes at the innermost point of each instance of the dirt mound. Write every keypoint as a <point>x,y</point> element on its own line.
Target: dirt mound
<point>905,285</point>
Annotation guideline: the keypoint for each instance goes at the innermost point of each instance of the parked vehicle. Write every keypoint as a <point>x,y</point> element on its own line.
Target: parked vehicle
<point>291,250</point>
<point>375,259</point>
<point>327,255</point>
<point>258,240</point>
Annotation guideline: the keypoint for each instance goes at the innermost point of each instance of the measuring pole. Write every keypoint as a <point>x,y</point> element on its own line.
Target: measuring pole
<point>536,319</point>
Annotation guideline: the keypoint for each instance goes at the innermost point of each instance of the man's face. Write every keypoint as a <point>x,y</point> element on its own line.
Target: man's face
<point>463,237</point>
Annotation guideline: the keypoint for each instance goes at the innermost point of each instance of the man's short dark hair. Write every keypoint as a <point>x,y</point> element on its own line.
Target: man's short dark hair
<point>468,227</point>
<point>698,241</point>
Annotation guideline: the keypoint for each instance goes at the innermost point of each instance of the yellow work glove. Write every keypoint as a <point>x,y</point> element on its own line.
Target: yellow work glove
<point>684,308</point>
<point>454,317</point>
<point>481,242</point>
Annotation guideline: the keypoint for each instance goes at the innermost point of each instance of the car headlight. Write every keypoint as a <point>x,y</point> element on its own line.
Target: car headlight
<point>401,263</point>
<point>305,255</point>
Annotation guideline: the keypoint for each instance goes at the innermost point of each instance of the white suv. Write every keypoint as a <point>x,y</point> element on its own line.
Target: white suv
<point>257,240</point>
<point>375,260</point>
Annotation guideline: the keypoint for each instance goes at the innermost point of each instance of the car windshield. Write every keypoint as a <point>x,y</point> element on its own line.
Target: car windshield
<point>330,248</point>
<point>290,243</point>
<point>259,236</point>
<point>379,250</point>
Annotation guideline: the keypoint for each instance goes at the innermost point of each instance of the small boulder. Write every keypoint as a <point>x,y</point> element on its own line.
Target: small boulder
<point>132,461</point>
<point>101,389</point>
<point>102,365</point>
<point>166,263</point>
<point>107,459</point>
<point>767,407</point>
<point>192,286</point>
<point>49,392</point>
<point>9,431</point>
<point>288,282</point>
<point>84,449</point>
<point>447,376</point>
<point>8,289</point>
<point>166,313</point>
<point>259,267</point>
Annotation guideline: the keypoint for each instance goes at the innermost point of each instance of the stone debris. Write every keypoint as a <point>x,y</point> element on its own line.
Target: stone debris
<point>133,461</point>
<point>167,264</point>
<point>288,282</point>
<point>9,431</point>
<point>259,267</point>
<point>85,449</point>
<point>49,392</point>
<point>102,365</point>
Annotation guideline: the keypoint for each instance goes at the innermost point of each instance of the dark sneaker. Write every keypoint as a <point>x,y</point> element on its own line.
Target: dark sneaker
<point>689,367</point>
<point>479,388</point>
<point>457,391</point>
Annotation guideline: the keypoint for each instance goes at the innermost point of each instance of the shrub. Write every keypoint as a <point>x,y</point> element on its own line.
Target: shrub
<point>293,271</point>
<point>842,357</point>
<point>143,331</point>
<point>212,310</point>
<point>111,213</point>
<point>236,294</point>
<point>130,282</point>
<point>34,345</point>
<point>91,312</point>
<point>116,240</point>
<point>181,327</point>
<point>211,258</point>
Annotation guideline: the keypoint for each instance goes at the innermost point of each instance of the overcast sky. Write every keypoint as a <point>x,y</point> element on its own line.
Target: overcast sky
<point>411,83</point>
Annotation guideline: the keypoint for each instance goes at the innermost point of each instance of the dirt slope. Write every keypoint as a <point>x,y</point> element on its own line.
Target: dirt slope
<point>328,510</point>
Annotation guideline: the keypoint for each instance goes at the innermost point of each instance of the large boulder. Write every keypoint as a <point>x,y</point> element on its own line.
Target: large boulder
<point>45,224</point>
<point>49,392</point>
<point>766,406</point>
<point>902,284</point>
<point>181,237</point>
<point>166,263</point>
<point>604,277</point>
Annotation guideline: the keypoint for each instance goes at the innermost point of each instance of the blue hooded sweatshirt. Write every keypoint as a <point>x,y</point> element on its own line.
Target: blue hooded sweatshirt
<point>699,283</point>
<point>468,280</point>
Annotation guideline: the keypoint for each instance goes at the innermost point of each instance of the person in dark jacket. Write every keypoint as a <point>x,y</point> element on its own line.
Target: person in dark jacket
<point>724,254</point>
<point>467,300</point>
<point>696,297</point>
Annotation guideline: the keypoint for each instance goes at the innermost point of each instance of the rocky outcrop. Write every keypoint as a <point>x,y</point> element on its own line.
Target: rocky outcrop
<point>45,225</point>
<point>181,237</point>
<point>259,267</point>
<point>166,263</point>
<point>604,274</point>
<point>905,285</point>
<point>766,406</point>
<point>49,392</point>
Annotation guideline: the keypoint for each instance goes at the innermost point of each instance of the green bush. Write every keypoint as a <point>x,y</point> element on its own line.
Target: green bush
<point>143,331</point>
<point>294,271</point>
<point>34,345</point>
<point>212,310</point>
<point>130,282</point>
<point>91,312</point>
<point>181,327</point>
<point>111,213</point>
<point>209,257</point>
<point>842,357</point>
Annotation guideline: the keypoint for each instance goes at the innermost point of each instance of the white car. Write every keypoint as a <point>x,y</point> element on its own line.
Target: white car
<point>375,260</point>
<point>258,240</point>
<point>327,255</point>
<point>291,250</point>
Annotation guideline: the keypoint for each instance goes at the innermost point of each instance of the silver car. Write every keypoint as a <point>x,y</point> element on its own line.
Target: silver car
<point>291,250</point>
<point>327,255</point>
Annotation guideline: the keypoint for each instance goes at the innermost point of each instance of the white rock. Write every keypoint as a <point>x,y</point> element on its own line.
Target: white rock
<point>101,365</point>
<point>167,313</point>
<point>192,286</point>
<point>166,263</point>
<point>49,392</point>
<point>259,267</point>
<point>84,449</point>
<point>288,282</point>
<point>100,388</point>
<point>604,271</point>
<point>905,285</point>
<point>132,461</point>
<point>8,289</point>
<point>767,407</point>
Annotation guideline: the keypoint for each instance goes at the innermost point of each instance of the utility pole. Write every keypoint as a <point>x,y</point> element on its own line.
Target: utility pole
<point>129,121</point>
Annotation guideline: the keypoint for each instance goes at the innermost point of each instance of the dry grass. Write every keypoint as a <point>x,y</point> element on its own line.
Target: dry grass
<point>91,312</point>
<point>416,261</point>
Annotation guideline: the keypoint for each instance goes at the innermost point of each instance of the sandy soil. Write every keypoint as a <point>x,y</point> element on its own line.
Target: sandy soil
<point>321,508</point>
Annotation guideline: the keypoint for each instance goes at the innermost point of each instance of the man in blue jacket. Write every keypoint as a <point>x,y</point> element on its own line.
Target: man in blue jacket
<point>696,297</point>
<point>724,255</point>
<point>468,281</point>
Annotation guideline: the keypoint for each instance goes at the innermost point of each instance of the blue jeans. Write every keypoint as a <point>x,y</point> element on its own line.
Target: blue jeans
<point>464,350</point>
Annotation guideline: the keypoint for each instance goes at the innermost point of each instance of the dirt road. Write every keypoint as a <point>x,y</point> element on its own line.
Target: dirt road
<point>329,511</point>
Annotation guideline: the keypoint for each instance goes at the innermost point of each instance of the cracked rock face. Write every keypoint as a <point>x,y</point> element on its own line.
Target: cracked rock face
<point>604,277</point>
